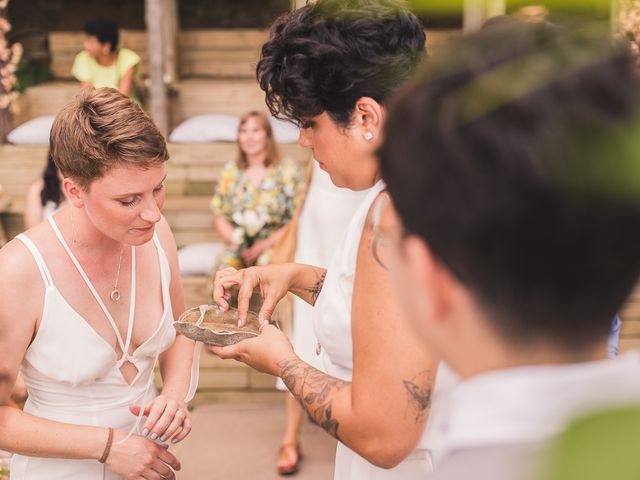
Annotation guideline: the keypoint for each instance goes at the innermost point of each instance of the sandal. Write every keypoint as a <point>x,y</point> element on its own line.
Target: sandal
<point>285,453</point>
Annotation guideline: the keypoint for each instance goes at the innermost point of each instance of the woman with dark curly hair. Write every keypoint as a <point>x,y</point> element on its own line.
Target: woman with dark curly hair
<point>330,67</point>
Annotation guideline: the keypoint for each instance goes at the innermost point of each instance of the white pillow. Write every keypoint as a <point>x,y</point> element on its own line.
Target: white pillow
<point>284,132</point>
<point>199,258</point>
<point>33,132</point>
<point>206,128</point>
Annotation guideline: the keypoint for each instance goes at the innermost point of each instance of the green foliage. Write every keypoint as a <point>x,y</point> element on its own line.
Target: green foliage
<point>30,74</point>
<point>602,447</point>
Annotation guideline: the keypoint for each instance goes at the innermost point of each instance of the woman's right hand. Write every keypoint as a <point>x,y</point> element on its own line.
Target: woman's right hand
<point>272,281</point>
<point>140,458</point>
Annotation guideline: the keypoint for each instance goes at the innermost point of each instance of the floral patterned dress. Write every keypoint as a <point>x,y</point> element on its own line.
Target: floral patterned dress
<point>256,211</point>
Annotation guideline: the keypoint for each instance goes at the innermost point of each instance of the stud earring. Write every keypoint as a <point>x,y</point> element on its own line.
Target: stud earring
<point>368,136</point>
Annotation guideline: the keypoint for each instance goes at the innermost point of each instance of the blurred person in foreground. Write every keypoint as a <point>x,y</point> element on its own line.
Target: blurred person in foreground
<point>522,148</point>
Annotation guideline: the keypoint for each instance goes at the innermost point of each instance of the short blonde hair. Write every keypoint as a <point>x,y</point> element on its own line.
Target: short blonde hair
<point>273,153</point>
<point>102,128</point>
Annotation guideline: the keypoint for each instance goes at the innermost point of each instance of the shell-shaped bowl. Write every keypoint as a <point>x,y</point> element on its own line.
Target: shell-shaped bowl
<point>210,324</point>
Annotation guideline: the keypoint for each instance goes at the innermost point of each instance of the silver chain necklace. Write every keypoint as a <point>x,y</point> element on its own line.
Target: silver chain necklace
<point>115,293</point>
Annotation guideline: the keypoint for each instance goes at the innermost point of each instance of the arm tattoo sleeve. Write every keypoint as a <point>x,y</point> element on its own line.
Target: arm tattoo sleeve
<point>314,390</point>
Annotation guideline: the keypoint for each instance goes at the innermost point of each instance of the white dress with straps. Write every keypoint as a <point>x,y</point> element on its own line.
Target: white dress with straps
<point>73,375</point>
<point>332,323</point>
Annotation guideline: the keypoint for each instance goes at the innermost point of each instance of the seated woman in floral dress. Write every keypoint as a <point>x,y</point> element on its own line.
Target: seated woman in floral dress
<point>256,195</point>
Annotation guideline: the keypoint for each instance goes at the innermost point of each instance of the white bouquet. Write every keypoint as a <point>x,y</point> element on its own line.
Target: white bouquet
<point>249,223</point>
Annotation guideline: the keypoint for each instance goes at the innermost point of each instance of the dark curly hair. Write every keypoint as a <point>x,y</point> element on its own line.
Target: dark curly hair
<point>325,56</point>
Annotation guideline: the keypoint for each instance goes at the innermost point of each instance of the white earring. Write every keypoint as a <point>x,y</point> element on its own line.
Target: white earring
<point>368,136</point>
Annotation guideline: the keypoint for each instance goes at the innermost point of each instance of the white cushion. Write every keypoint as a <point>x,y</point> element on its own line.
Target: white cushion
<point>206,128</point>
<point>33,132</point>
<point>284,132</point>
<point>199,258</point>
<point>224,128</point>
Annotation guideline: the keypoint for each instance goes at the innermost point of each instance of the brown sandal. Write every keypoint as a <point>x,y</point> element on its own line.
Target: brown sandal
<point>292,468</point>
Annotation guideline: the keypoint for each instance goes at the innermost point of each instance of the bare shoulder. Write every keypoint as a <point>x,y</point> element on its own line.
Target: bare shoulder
<point>382,215</point>
<point>165,235</point>
<point>168,242</point>
<point>382,226</point>
<point>35,188</point>
<point>18,272</point>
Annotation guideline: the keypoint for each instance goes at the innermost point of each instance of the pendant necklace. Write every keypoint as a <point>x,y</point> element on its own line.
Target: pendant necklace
<point>115,293</point>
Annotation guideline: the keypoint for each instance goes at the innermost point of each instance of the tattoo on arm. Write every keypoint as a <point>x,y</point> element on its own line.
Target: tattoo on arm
<point>316,289</point>
<point>418,395</point>
<point>377,242</point>
<point>314,390</point>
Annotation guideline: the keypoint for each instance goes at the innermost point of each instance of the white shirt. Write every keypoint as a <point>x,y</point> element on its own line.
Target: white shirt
<point>532,403</point>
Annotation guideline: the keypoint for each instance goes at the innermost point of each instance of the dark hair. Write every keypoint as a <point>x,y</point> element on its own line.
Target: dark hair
<point>106,31</point>
<point>514,159</point>
<point>52,189</point>
<point>325,56</point>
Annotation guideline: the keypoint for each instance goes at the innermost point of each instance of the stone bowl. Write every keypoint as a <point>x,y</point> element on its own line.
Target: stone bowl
<point>210,324</point>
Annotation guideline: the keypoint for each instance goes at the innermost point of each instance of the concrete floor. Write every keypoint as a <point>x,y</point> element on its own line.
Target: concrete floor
<point>240,442</point>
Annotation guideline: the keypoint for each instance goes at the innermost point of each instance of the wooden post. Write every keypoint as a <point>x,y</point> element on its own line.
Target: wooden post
<point>171,28</point>
<point>495,8</point>
<point>617,8</point>
<point>158,92</point>
<point>476,12</point>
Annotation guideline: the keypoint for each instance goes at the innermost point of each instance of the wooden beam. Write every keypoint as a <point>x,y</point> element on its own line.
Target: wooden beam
<point>295,4</point>
<point>618,7</point>
<point>476,12</point>
<point>171,28</point>
<point>155,19</point>
<point>495,8</point>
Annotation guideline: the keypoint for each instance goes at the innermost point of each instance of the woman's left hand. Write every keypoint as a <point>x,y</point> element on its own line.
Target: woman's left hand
<point>263,353</point>
<point>166,416</point>
<point>251,254</point>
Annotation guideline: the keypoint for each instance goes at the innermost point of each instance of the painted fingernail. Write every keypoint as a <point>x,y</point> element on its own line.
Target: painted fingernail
<point>163,438</point>
<point>145,432</point>
<point>174,441</point>
<point>154,436</point>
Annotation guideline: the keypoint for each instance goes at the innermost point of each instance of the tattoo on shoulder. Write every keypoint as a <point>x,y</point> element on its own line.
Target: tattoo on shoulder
<point>378,242</point>
<point>374,220</point>
<point>314,389</point>
<point>418,395</point>
<point>317,288</point>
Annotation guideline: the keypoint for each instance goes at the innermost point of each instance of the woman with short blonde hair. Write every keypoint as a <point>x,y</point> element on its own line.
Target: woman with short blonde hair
<point>96,289</point>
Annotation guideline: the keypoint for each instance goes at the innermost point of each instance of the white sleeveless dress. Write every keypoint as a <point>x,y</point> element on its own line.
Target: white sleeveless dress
<point>332,323</point>
<point>73,375</point>
<point>325,215</point>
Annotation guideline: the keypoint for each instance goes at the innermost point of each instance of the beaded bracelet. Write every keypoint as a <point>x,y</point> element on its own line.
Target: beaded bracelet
<point>107,447</point>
